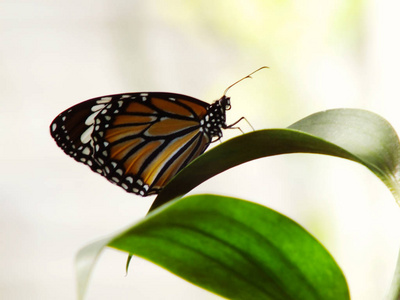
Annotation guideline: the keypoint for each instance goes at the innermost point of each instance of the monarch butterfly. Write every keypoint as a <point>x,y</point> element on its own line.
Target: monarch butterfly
<point>139,141</point>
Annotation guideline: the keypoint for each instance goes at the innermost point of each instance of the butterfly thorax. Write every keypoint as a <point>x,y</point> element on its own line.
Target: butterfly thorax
<point>215,119</point>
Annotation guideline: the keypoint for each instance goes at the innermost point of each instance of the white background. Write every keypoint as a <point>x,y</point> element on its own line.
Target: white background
<point>322,55</point>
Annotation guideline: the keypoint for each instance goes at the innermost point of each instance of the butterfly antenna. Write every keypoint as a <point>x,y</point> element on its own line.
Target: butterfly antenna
<point>248,76</point>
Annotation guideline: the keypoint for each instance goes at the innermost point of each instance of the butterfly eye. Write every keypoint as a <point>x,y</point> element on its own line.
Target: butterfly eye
<point>228,104</point>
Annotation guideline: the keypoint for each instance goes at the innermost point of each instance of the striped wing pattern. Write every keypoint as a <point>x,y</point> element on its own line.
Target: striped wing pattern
<point>138,141</point>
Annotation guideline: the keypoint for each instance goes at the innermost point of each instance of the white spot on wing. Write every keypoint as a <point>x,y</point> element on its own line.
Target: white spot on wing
<point>144,96</point>
<point>90,120</point>
<point>97,107</point>
<point>86,136</point>
<point>104,100</point>
<point>86,151</point>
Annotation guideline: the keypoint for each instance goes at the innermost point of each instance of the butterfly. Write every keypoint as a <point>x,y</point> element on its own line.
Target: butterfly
<point>139,141</point>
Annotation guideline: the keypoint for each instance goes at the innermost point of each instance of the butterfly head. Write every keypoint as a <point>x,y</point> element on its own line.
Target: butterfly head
<point>225,102</point>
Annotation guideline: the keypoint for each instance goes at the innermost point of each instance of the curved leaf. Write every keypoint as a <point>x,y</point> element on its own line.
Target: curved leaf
<point>237,249</point>
<point>84,263</point>
<point>354,134</point>
<point>364,134</point>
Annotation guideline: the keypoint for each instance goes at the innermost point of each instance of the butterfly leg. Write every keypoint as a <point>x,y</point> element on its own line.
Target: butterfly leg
<point>233,124</point>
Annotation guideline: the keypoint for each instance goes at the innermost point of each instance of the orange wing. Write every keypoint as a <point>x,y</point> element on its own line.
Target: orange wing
<point>137,140</point>
<point>145,140</point>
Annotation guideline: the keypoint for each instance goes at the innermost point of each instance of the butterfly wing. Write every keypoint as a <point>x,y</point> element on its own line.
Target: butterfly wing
<point>72,130</point>
<point>138,141</point>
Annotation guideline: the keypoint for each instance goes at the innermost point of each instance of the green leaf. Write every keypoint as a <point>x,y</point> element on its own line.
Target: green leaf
<point>366,135</point>
<point>354,134</point>
<point>357,135</point>
<point>237,249</point>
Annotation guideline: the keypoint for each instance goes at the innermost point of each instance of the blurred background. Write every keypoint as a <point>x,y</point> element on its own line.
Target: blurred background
<point>321,54</point>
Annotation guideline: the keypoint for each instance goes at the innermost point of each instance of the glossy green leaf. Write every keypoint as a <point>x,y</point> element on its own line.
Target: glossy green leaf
<point>367,136</point>
<point>357,135</point>
<point>237,249</point>
<point>354,134</point>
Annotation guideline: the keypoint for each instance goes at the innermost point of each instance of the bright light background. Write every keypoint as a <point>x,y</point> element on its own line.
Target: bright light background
<point>321,54</point>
